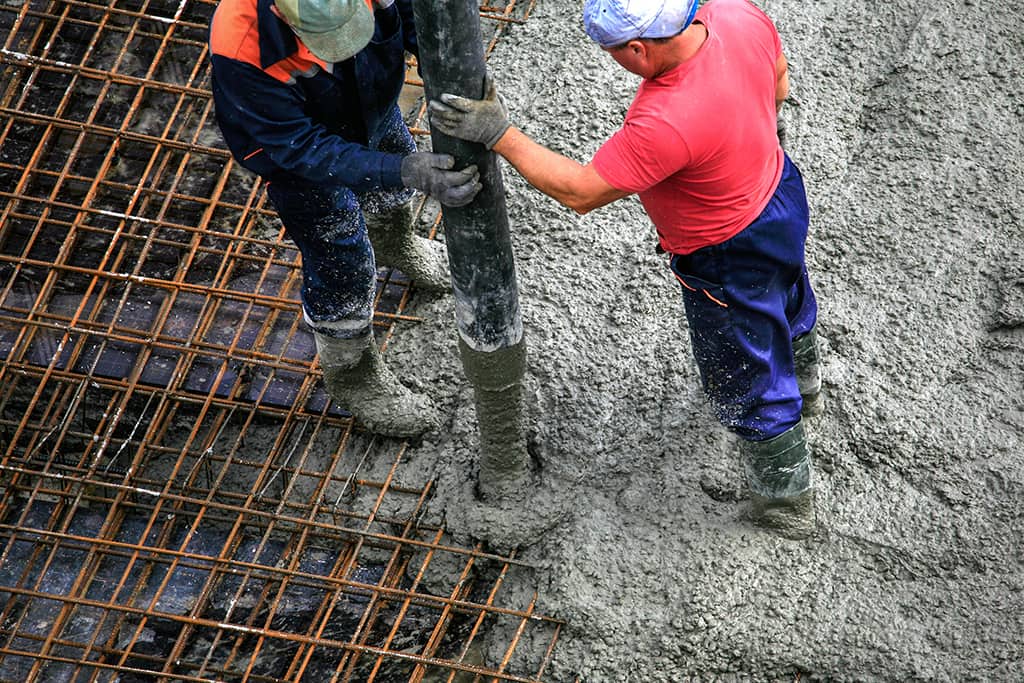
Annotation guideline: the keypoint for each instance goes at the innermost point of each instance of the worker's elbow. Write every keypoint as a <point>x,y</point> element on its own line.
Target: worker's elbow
<point>582,195</point>
<point>581,209</point>
<point>582,202</point>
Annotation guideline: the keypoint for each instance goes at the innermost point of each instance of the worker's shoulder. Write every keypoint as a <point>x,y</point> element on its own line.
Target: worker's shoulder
<point>731,8</point>
<point>234,30</point>
<point>738,21</point>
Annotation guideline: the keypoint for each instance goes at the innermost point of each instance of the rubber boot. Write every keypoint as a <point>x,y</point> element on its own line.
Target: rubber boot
<point>779,476</point>
<point>358,380</point>
<point>808,373</point>
<point>394,244</point>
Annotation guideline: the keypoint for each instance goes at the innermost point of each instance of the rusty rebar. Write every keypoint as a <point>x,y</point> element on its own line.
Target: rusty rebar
<point>161,410</point>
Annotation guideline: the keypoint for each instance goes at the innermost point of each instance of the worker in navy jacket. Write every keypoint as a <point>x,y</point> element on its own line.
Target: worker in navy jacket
<point>306,96</point>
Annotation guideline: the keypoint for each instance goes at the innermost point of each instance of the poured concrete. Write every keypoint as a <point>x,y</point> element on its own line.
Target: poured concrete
<point>907,125</point>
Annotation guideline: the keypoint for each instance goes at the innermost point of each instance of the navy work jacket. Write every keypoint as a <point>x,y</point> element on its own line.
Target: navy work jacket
<point>287,115</point>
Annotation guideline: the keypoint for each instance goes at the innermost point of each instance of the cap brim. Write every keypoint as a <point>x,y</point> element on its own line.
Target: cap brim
<point>341,43</point>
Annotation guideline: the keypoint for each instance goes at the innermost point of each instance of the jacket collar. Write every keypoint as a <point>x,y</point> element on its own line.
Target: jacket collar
<point>277,41</point>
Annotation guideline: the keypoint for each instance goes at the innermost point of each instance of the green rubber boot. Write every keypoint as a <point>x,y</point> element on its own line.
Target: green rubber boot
<point>779,475</point>
<point>808,373</point>
<point>394,244</point>
<point>358,380</point>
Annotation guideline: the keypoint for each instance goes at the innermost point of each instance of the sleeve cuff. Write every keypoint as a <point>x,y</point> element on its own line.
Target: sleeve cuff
<point>391,171</point>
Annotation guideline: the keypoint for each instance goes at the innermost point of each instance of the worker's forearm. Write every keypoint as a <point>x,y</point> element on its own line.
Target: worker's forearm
<point>553,174</point>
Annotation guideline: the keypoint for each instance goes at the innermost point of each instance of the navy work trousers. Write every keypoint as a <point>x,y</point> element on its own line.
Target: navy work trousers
<point>326,223</point>
<point>746,299</point>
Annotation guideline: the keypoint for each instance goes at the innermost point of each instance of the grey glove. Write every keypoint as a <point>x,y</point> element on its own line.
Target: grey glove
<point>431,173</point>
<point>483,121</point>
<point>780,129</point>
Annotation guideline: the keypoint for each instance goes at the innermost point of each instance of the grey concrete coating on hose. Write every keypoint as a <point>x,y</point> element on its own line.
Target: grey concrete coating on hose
<point>906,124</point>
<point>486,296</point>
<point>496,377</point>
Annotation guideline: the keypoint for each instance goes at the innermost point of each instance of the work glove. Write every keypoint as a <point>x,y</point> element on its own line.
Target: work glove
<point>780,129</point>
<point>483,121</point>
<point>431,173</point>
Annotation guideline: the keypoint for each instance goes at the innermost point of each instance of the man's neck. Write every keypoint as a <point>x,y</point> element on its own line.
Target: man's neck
<point>682,48</point>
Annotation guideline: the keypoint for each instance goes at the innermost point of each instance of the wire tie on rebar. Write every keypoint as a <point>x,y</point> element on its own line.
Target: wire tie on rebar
<point>351,477</point>
<point>287,460</point>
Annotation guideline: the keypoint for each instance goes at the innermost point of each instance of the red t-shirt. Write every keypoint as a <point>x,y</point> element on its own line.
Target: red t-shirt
<point>699,142</point>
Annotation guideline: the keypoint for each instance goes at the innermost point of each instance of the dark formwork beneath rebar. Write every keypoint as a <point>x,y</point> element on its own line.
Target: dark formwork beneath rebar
<point>177,494</point>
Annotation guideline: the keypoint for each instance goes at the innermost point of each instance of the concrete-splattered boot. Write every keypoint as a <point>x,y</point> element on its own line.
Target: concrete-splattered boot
<point>396,245</point>
<point>779,476</point>
<point>808,373</point>
<point>357,378</point>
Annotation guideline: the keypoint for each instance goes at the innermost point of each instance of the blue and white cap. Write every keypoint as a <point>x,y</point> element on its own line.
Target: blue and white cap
<point>610,23</point>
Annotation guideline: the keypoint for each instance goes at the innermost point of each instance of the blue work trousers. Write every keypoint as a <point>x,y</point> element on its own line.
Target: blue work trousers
<point>746,299</point>
<point>326,223</point>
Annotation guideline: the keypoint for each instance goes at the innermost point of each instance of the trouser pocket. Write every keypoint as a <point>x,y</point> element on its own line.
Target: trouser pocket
<point>700,294</point>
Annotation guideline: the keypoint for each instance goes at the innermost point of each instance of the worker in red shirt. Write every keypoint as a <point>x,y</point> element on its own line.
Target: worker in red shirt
<point>700,146</point>
<point>305,93</point>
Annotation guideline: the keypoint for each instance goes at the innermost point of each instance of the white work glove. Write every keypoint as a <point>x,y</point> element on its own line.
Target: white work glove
<point>431,173</point>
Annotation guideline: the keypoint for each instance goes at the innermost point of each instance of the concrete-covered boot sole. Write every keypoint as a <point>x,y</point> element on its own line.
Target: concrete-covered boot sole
<point>792,517</point>
<point>380,402</point>
<point>371,392</point>
<point>424,261</point>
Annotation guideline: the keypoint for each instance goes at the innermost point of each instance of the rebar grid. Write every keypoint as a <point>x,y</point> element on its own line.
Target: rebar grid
<point>179,500</point>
